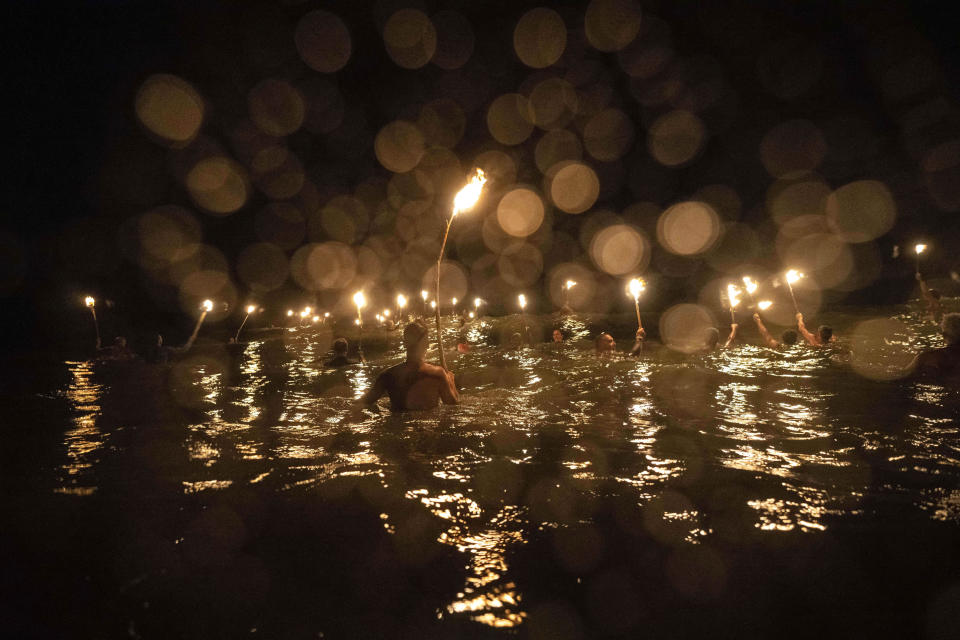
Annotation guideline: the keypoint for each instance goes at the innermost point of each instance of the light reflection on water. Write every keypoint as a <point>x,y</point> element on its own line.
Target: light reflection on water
<point>799,430</point>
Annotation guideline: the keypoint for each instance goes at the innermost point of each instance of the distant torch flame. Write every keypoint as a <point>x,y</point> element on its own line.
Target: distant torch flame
<point>920,248</point>
<point>476,303</point>
<point>522,299</point>
<point>401,300</point>
<point>472,315</point>
<point>357,322</point>
<point>207,305</point>
<point>433,304</point>
<point>570,284</point>
<point>454,302</point>
<point>360,300</point>
<point>424,294</point>
<point>751,285</point>
<point>304,314</point>
<point>386,313</point>
<point>763,305</point>
<point>468,196</point>
<point>316,319</point>
<point>636,288</point>
<point>289,312</point>
<point>326,315</point>
<point>89,301</point>
<point>251,308</point>
<point>733,295</point>
<point>793,275</point>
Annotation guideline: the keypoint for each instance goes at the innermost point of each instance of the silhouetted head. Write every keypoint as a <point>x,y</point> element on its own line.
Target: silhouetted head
<point>516,341</point>
<point>950,326</point>
<point>711,336</point>
<point>557,335</point>
<point>340,346</point>
<point>789,337</point>
<point>934,294</point>
<point>605,342</point>
<point>415,338</point>
<point>826,332</point>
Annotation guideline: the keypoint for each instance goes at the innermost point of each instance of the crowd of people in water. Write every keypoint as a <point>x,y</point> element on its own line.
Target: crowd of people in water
<point>417,384</point>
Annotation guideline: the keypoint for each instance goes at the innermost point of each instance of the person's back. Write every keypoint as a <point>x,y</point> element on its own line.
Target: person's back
<point>339,359</point>
<point>945,361</point>
<point>414,384</point>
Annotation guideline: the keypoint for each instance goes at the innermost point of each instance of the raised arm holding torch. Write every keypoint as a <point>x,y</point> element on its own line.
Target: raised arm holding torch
<point>250,309</point>
<point>920,248</point>
<point>793,276</point>
<point>207,307</point>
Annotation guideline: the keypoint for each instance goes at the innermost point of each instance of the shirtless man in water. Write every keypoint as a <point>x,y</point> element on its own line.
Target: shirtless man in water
<point>943,362</point>
<point>932,299</point>
<point>414,384</point>
<point>821,338</point>
<point>789,337</point>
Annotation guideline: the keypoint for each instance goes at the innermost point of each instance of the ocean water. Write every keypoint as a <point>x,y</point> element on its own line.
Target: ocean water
<point>746,492</point>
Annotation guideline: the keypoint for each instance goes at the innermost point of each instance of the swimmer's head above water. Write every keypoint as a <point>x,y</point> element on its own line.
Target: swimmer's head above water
<point>415,341</point>
<point>711,336</point>
<point>340,346</point>
<point>950,327</point>
<point>825,332</point>
<point>789,337</point>
<point>605,343</point>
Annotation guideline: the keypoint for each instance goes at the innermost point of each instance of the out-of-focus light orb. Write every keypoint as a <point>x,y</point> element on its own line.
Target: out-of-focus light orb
<point>410,38</point>
<point>218,185</point>
<point>540,37</point>
<point>277,172</point>
<point>323,41</point>
<point>553,103</point>
<point>612,24</point>
<point>509,119</point>
<point>555,147</point>
<point>520,212</point>
<point>453,279</point>
<point>276,107</point>
<point>683,326</point>
<point>620,249</point>
<point>263,266</point>
<point>520,264</point>
<point>455,40</point>
<point>167,234</point>
<point>881,348</point>
<point>688,228</point>
<point>608,135</point>
<point>794,197</point>
<point>442,123</point>
<point>574,187</point>
<point>330,265</point>
<point>795,145</point>
<point>650,52</point>
<point>861,211</point>
<point>676,137</point>
<point>399,146</point>
<point>170,108</point>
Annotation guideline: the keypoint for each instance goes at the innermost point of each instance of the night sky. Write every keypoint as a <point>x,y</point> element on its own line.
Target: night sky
<point>872,86</point>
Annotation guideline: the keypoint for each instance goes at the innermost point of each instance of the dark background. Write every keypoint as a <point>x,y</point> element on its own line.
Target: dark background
<point>72,70</point>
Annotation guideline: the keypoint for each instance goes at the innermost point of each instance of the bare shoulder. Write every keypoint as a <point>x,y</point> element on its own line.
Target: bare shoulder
<point>432,370</point>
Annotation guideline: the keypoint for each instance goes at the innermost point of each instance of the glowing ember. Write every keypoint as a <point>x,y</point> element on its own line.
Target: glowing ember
<point>751,285</point>
<point>468,196</point>
<point>793,275</point>
<point>207,305</point>
<point>89,301</point>
<point>637,287</point>
<point>763,305</point>
<point>733,295</point>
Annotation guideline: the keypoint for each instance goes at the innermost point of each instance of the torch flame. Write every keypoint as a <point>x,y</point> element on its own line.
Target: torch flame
<point>89,301</point>
<point>433,304</point>
<point>920,248</point>
<point>468,196</point>
<point>304,314</point>
<point>476,302</point>
<point>636,288</point>
<point>207,305</point>
<point>763,305</point>
<point>522,299</point>
<point>570,284</point>
<point>751,285</point>
<point>472,315</point>
<point>251,308</point>
<point>357,322</point>
<point>793,275</point>
<point>316,319</point>
<point>326,315</point>
<point>424,294</point>
<point>289,312</point>
<point>360,300</point>
<point>308,310</point>
<point>401,300</point>
<point>454,302</point>
<point>386,313</point>
<point>733,295</point>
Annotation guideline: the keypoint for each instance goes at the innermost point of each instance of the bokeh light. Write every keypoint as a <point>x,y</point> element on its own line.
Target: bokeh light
<point>399,146</point>
<point>262,267</point>
<point>410,38</point>
<point>520,264</point>
<point>798,195</point>
<point>555,147</point>
<point>170,108</point>
<point>683,327</point>
<point>323,41</point>
<point>218,185</point>
<point>688,228</point>
<point>510,119</point>
<point>881,349</point>
<point>520,212</point>
<point>553,103</point>
<point>620,249</point>
<point>455,40</point>
<point>611,24</point>
<point>861,211</point>
<point>540,37</point>
<point>676,137</point>
<point>276,107</point>
<point>574,186</point>
<point>608,135</point>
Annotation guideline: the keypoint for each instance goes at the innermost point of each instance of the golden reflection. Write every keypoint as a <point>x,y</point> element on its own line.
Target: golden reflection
<point>84,440</point>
